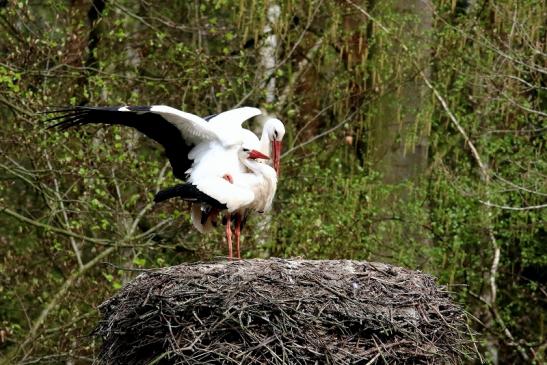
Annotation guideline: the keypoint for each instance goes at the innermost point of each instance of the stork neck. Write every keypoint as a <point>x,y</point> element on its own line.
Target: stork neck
<point>265,143</point>
<point>264,185</point>
<point>253,166</point>
<point>261,169</point>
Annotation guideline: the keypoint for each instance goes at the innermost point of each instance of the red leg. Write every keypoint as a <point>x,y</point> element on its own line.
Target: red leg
<point>230,179</point>
<point>229,234</point>
<point>237,233</point>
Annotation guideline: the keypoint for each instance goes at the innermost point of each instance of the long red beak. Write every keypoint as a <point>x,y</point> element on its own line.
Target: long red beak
<point>276,156</point>
<point>254,154</point>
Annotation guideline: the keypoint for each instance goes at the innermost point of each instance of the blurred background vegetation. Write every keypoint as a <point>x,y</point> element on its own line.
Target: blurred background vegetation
<point>416,136</point>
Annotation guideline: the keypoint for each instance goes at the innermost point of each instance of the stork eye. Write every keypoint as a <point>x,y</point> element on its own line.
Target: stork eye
<point>275,134</point>
<point>245,150</point>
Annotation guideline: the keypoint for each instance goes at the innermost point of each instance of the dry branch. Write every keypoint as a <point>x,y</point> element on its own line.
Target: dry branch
<point>282,311</point>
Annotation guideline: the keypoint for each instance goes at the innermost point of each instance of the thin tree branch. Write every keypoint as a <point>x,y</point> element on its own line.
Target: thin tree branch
<point>73,243</point>
<point>506,207</point>
<point>518,186</point>
<point>501,323</point>
<point>124,242</point>
<point>147,207</point>
<point>15,107</point>
<point>302,66</point>
<point>482,166</point>
<point>54,302</point>
<point>518,105</point>
<point>47,227</point>
<point>320,135</point>
<point>369,16</point>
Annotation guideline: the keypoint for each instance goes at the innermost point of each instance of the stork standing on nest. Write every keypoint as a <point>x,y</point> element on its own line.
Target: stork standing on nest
<point>260,178</point>
<point>192,144</point>
<point>232,195</point>
<point>204,215</point>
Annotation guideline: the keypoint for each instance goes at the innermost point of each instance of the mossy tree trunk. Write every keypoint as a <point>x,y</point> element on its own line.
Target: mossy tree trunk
<point>399,116</point>
<point>399,126</point>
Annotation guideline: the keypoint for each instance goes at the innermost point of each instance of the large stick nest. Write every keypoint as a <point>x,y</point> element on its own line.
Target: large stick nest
<point>282,311</point>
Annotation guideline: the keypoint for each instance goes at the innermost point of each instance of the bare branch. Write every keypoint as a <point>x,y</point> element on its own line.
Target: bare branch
<point>73,243</point>
<point>482,166</point>
<point>370,17</point>
<point>147,207</point>
<point>494,267</point>
<point>71,280</point>
<point>302,66</point>
<point>320,135</point>
<point>506,207</point>
<point>519,105</point>
<point>47,227</point>
<point>519,187</point>
<point>501,323</point>
<point>15,107</point>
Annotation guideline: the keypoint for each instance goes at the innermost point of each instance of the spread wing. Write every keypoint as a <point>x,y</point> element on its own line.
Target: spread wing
<point>232,119</point>
<point>175,130</point>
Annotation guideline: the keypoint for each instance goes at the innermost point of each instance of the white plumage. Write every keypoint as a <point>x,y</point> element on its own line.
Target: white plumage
<point>206,152</point>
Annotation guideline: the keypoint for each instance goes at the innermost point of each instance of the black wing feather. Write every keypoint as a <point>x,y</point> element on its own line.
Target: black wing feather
<point>139,117</point>
<point>188,192</point>
<point>209,117</point>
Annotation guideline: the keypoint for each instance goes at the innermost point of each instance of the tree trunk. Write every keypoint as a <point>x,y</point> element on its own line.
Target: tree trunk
<point>400,125</point>
<point>268,62</point>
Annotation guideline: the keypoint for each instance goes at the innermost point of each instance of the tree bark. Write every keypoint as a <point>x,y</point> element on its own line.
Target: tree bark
<point>400,126</point>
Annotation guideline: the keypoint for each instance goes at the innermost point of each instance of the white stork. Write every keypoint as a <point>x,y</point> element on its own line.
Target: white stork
<point>233,194</point>
<point>262,181</point>
<point>202,150</point>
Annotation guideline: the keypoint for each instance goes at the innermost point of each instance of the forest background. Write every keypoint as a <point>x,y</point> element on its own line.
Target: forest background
<point>415,136</point>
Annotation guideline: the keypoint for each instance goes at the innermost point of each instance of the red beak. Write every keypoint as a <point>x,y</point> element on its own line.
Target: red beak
<point>276,156</point>
<point>254,154</point>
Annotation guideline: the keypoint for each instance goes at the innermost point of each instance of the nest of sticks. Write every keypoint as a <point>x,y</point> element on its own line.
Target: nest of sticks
<point>282,312</point>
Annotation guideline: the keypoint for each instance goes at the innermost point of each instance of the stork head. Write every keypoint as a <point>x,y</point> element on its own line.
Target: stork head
<point>246,153</point>
<point>275,131</point>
